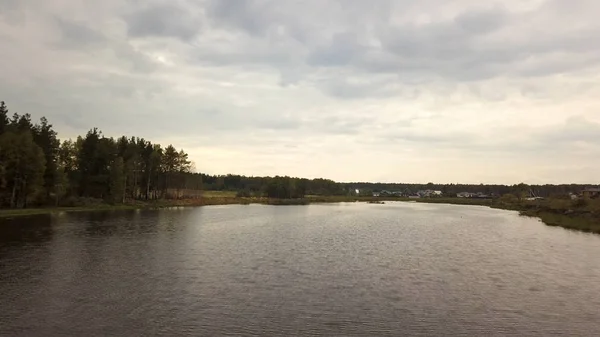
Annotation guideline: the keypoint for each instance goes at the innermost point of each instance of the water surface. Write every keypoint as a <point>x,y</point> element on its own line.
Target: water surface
<point>324,270</point>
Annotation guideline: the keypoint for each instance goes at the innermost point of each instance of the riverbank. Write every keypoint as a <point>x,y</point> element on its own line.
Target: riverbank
<point>580,215</point>
<point>157,204</point>
<point>11,213</point>
<point>211,199</point>
<point>577,215</point>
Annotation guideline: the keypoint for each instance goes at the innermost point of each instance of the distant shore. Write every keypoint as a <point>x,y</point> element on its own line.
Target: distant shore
<point>212,199</point>
<point>583,216</point>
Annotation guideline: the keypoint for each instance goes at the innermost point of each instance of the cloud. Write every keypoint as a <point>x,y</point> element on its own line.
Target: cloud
<point>77,34</point>
<point>340,51</point>
<point>168,19</point>
<point>471,44</point>
<point>395,90</point>
<point>576,129</point>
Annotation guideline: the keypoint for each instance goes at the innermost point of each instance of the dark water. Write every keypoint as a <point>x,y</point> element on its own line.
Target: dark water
<point>325,270</point>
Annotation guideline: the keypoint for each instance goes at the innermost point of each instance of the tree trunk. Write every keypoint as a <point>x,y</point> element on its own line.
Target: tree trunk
<point>14,194</point>
<point>148,182</point>
<point>134,192</point>
<point>25,193</point>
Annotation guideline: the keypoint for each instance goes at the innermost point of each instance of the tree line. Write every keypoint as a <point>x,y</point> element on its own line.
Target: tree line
<point>449,190</point>
<point>36,168</point>
<point>283,187</point>
<point>286,186</point>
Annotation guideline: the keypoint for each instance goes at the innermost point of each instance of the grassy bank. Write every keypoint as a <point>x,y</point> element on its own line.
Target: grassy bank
<point>11,213</point>
<point>211,198</point>
<point>457,201</point>
<point>581,215</point>
<point>577,215</point>
<point>581,222</point>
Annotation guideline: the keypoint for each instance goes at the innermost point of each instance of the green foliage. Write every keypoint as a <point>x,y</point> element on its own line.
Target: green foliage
<point>61,184</point>
<point>35,167</point>
<point>45,138</point>
<point>23,168</point>
<point>580,203</point>
<point>117,181</point>
<point>3,117</point>
<point>245,193</point>
<point>258,185</point>
<point>366,193</point>
<point>509,199</point>
<point>285,188</point>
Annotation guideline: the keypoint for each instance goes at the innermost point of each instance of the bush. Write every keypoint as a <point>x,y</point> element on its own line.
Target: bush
<point>81,202</point>
<point>579,203</point>
<point>243,194</point>
<point>509,199</point>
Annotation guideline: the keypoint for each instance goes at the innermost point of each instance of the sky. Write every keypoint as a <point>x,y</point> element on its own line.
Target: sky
<point>444,91</point>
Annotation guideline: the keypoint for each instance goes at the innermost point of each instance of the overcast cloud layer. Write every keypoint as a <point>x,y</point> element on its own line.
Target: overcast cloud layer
<point>398,91</point>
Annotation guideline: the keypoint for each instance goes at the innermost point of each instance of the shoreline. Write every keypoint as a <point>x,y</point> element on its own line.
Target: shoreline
<point>550,213</point>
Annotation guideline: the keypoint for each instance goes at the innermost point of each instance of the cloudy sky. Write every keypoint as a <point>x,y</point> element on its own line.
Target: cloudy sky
<point>399,91</point>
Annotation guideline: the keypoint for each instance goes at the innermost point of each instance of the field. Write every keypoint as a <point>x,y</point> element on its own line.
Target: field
<point>219,194</point>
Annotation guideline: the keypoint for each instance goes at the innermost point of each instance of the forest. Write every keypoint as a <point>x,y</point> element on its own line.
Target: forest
<point>38,169</point>
<point>450,190</point>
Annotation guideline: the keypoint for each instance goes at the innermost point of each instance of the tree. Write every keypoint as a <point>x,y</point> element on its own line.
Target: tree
<point>170,164</point>
<point>2,179</point>
<point>23,165</point>
<point>86,161</point>
<point>3,118</point>
<point>21,123</point>
<point>45,138</point>
<point>67,156</point>
<point>117,181</point>
<point>61,184</point>
<point>284,188</point>
<point>183,164</point>
<point>155,172</point>
<point>130,151</point>
<point>521,191</point>
<point>67,169</point>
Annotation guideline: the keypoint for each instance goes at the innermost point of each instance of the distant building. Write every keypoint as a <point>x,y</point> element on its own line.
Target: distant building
<point>429,193</point>
<point>385,193</point>
<point>590,193</point>
<point>474,195</point>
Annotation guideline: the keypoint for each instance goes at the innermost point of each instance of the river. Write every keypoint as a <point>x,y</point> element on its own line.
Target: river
<point>349,269</point>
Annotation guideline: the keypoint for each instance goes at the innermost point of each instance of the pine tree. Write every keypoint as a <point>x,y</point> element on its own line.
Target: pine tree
<point>23,165</point>
<point>117,181</point>
<point>3,117</point>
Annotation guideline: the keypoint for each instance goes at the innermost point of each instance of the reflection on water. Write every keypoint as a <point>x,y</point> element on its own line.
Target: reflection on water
<point>342,269</point>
